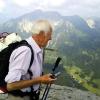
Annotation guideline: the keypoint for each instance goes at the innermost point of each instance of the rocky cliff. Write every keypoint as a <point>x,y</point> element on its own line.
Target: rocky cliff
<point>67,93</point>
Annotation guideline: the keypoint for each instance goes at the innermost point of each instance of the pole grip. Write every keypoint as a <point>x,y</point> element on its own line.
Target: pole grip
<point>56,63</point>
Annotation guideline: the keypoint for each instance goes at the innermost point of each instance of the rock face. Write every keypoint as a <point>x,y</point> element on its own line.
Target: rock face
<point>67,93</point>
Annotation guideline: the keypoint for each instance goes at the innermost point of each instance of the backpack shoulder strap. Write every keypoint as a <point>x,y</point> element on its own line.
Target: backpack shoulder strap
<point>32,58</point>
<point>24,42</point>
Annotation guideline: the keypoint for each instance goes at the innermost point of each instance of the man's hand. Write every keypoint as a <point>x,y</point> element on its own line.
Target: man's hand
<point>47,79</point>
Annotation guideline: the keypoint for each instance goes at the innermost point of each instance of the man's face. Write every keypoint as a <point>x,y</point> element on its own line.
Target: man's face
<point>47,37</point>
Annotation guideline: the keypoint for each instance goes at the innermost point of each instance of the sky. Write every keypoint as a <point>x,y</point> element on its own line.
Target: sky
<point>83,8</point>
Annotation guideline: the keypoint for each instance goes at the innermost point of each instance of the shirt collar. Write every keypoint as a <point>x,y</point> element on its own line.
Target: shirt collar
<point>34,45</point>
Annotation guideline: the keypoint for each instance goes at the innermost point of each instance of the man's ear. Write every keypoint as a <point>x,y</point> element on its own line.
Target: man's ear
<point>42,34</point>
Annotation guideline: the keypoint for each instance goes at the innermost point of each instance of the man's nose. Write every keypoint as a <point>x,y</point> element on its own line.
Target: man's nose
<point>50,38</point>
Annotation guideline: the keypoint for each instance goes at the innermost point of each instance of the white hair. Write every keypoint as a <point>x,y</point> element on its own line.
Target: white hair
<point>41,25</point>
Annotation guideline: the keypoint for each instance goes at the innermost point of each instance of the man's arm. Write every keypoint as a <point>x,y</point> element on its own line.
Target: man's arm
<point>45,79</point>
<point>18,66</point>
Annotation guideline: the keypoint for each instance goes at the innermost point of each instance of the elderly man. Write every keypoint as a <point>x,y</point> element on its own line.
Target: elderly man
<point>19,85</point>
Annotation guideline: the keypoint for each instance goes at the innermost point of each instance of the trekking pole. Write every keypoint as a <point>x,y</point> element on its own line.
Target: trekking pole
<point>54,75</point>
<point>48,87</point>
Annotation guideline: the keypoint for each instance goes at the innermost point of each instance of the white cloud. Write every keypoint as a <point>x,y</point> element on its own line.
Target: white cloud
<point>52,3</point>
<point>80,7</point>
<point>2,5</point>
<point>23,3</point>
<point>65,7</point>
<point>57,4</point>
<point>39,3</point>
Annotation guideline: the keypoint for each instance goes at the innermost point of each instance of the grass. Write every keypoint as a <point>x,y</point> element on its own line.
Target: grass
<point>85,81</point>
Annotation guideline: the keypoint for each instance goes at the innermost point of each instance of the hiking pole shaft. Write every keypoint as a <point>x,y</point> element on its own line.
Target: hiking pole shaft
<point>53,72</point>
<point>47,91</point>
<point>44,92</point>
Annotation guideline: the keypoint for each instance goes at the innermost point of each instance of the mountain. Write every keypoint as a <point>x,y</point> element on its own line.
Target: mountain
<point>75,39</point>
<point>3,18</point>
<point>21,23</point>
<point>77,21</point>
<point>67,93</point>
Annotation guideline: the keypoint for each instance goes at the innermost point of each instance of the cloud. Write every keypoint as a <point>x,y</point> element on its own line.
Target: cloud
<point>39,3</point>
<point>65,7</point>
<point>23,3</point>
<point>2,5</point>
<point>31,5</point>
<point>52,3</point>
<point>80,7</point>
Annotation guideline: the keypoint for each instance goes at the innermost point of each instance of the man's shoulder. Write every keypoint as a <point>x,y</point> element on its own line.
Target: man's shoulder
<point>22,48</point>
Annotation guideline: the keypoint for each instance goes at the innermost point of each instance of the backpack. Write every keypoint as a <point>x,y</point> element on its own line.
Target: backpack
<point>5,56</point>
